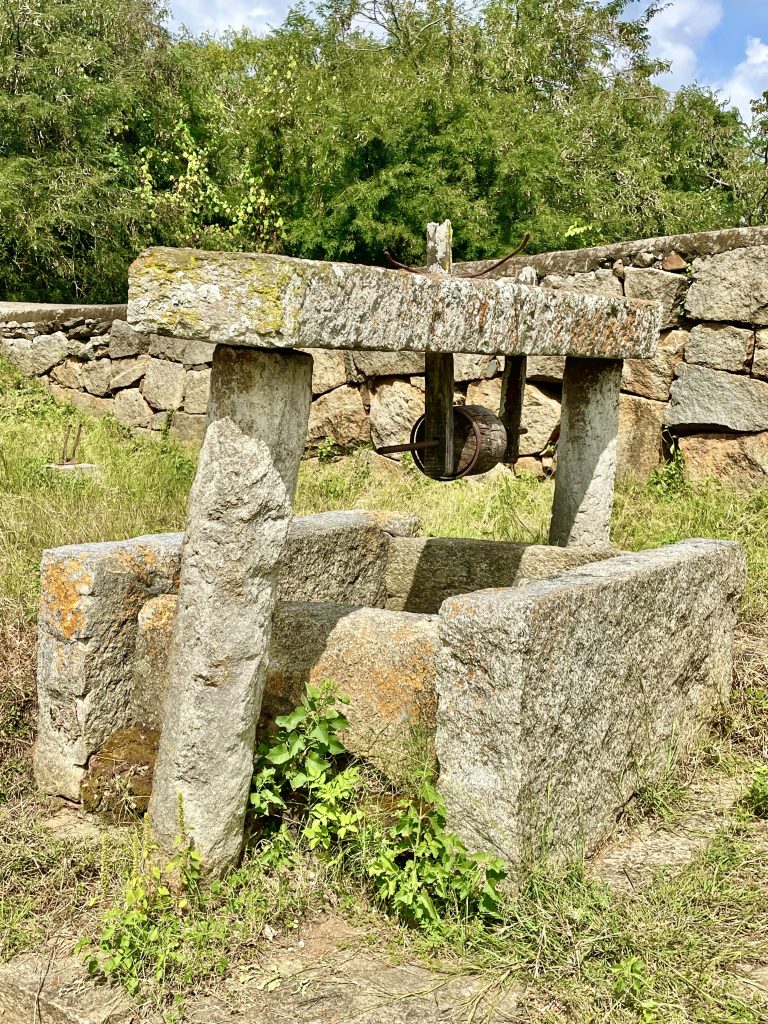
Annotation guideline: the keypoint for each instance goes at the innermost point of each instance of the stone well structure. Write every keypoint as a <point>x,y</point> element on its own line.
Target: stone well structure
<point>552,681</point>
<point>469,668</point>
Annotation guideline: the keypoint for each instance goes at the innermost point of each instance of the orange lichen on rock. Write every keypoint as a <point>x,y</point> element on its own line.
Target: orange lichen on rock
<point>64,585</point>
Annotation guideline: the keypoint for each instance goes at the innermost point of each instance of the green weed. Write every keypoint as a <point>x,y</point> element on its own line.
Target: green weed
<point>306,786</point>
<point>756,797</point>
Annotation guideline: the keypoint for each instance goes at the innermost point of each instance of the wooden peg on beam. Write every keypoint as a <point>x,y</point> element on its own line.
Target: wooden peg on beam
<point>438,368</point>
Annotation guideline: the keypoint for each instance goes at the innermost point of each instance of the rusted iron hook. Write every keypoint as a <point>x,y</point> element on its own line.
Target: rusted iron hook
<point>397,265</point>
<point>67,457</point>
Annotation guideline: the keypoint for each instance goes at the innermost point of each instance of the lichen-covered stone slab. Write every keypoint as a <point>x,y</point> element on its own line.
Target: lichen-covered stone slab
<point>383,661</point>
<point>557,700</point>
<point>90,599</point>
<point>275,301</point>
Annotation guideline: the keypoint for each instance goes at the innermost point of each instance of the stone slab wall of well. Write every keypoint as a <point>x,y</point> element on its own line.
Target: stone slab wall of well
<point>708,382</point>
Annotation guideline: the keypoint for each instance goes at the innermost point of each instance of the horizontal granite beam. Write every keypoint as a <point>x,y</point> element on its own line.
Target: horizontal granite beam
<point>265,301</point>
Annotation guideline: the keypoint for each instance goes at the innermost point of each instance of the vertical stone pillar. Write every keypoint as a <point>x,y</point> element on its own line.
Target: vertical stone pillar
<point>512,399</point>
<point>239,512</point>
<point>586,453</point>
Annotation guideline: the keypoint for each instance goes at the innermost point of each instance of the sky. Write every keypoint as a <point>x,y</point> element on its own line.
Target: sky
<point>722,44</point>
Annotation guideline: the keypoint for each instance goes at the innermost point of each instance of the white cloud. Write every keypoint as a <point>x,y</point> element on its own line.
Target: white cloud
<point>749,79</point>
<point>218,15</point>
<point>678,31</point>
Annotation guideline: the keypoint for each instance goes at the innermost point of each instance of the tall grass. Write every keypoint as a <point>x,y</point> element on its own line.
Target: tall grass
<point>141,488</point>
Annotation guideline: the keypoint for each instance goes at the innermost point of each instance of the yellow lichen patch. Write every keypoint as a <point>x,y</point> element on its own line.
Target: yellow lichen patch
<point>265,286</point>
<point>64,584</point>
<point>385,692</point>
<point>158,613</point>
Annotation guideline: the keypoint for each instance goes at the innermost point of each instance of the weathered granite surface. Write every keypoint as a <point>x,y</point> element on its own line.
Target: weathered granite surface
<point>423,571</point>
<point>731,286</point>
<point>276,301</point>
<point>735,460</point>
<point>383,661</point>
<point>652,378</point>
<point>37,987</point>
<point>556,700</point>
<point>639,444</point>
<point>581,509</point>
<point>657,286</point>
<point>720,347</point>
<point>339,416</point>
<point>240,507</point>
<point>90,600</point>
<point>340,557</point>
<point>701,397</point>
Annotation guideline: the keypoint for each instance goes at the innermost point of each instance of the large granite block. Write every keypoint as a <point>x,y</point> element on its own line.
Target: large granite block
<point>731,286</point>
<point>422,572</point>
<point>278,302</point>
<point>557,700</point>
<point>701,397</point>
<point>90,599</point>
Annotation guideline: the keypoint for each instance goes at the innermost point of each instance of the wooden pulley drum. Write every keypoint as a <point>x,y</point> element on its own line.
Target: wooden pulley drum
<point>479,442</point>
<point>453,441</point>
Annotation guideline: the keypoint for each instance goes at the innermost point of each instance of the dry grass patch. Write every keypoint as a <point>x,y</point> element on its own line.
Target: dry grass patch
<point>17,697</point>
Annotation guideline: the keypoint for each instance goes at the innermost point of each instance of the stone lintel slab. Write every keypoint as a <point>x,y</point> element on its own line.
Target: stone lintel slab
<point>557,700</point>
<point>269,301</point>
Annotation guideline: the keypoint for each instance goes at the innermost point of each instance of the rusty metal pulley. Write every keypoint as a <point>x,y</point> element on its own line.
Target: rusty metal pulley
<point>479,443</point>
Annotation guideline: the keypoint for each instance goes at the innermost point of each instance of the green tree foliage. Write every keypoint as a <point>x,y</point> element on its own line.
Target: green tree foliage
<point>81,88</point>
<point>105,129</point>
<point>339,134</point>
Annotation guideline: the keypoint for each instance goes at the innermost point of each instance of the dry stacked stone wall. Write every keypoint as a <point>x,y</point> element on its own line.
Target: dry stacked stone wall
<point>707,386</point>
<point>96,361</point>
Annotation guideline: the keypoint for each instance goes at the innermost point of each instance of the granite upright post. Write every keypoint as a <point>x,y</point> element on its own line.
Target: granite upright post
<point>586,453</point>
<point>239,512</point>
